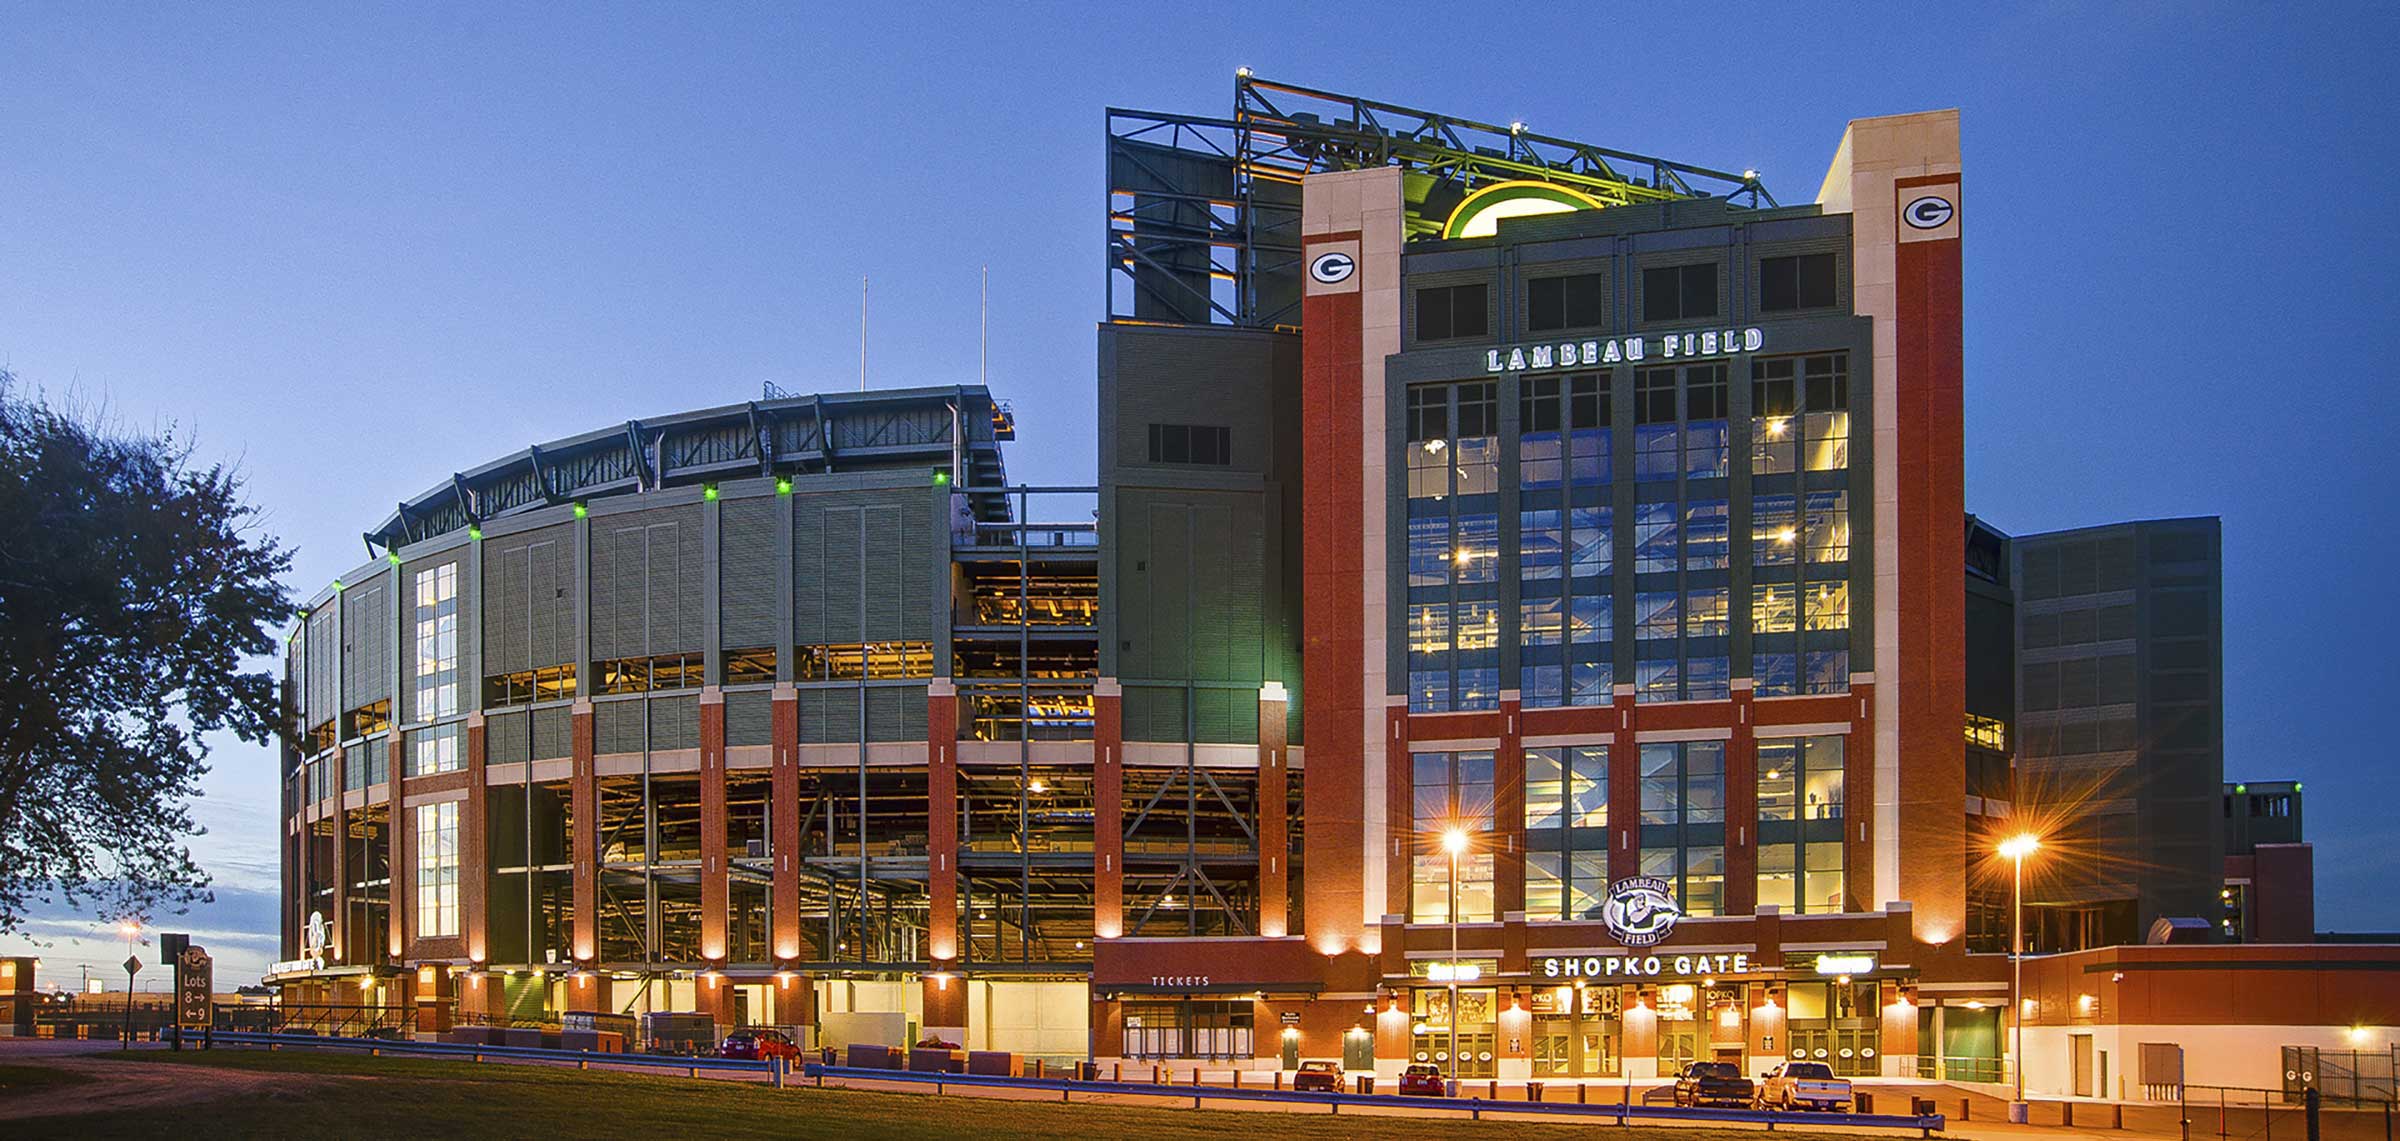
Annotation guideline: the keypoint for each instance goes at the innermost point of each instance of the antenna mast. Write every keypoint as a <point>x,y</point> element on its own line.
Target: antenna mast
<point>862,334</point>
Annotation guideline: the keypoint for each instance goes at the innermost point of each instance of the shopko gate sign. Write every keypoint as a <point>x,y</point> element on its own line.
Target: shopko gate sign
<point>1620,350</point>
<point>1643,966</point>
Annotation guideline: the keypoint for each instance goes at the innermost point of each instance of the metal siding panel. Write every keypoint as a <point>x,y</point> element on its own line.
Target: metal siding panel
<point>617,727</point>
<point>746,576</point>
<point>883,543</point>
<point>674,723</point>
<point>506,739</point>
<point>749,719</point>
<point>553,734</point>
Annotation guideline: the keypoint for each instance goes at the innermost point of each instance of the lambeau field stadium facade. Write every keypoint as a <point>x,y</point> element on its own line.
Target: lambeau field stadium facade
<point>1494,537</point>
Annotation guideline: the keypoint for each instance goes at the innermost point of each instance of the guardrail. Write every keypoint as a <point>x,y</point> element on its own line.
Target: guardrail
<point>1474,1107</point>
<point>583,1059</point>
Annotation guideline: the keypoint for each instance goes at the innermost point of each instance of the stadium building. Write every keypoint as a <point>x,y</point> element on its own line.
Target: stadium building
<point>1524,596</point>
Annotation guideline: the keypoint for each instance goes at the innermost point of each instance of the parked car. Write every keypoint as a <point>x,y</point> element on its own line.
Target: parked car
<point>758,1045</point>
<point>1713,1083</point>
<point>1423,1079</point>
<point>1803,1085</point>
<point>1318,1077</point>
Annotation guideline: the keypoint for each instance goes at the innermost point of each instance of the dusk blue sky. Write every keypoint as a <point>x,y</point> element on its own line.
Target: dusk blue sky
<point>357,248</point>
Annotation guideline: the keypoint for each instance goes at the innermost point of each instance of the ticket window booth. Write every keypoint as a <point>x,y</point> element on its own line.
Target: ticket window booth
<point>1576,1032</point>
<point>1837,1023</point>
<point>1478,1031</point>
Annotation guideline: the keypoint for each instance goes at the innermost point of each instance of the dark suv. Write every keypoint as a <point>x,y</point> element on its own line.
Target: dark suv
<point>1712,1083</point>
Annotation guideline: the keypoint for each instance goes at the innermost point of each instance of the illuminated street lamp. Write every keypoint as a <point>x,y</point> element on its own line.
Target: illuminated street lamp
<point>1454,841</point>
<point>2016,848</point>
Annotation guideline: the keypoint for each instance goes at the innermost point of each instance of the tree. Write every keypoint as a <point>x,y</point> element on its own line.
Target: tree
<point>134,588</point>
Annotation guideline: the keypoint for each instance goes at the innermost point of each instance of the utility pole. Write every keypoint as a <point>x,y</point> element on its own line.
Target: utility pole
<point>862,334</point>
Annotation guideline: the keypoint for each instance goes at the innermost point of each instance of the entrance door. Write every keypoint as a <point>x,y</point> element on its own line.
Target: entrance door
<point>1600,1052</point>
<point>1291,1051</point>
<point>2083,1064</point>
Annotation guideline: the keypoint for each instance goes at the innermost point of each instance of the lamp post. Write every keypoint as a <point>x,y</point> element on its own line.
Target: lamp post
<point>130,930</point>
<point>1454,842</point>
<point>2016,848</point>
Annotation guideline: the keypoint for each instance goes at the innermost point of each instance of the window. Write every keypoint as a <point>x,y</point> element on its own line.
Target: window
<point>437,869</point>
<point>1683,820</point>
<point>1454,546</point>
<point>1800,802</point>
<point>1571,302</point>
<point>1826,605</point>
<point>1804,281</point>
<point>1826,395</point>
<point>1654,537</point>
<point>750,667</point>
<point>436,619</point>
<point>1452,790</point>
<point>641,675</point>
<point>1679,292</point>
<point>1706,535</point>
<point>549,683</point>
<point>1588,418</point>
<point>1191,444</point>
<point>435,750</point>
<point>1705,447</point>
<point>1566,831</point>
<point>869,661</point>
<point>1452,311</point>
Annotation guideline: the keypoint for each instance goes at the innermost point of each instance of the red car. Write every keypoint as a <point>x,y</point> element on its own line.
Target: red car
<point>1423,1079</point>
<point>1318,1077</point>
<point>758,1045</point>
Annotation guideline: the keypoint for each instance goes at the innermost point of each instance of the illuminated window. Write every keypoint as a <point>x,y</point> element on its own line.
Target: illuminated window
<point>1683,815</point>
<point>437,869</point>
<point>1566,821</point>
<point>750,667</point>
<point>550,683</point>
<point>1773,609</point>
<point>1825,526</point>
<point>1826,605</point>
<point>435,750</point>
<point>1774,531</point>
<point>436,620</point>
<point>869,661</point>
<point>1452,790</point>
<point>642,675</point>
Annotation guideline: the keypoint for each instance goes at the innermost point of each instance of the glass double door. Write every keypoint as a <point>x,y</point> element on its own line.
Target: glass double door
<point>1567,1049</point>
<point>1849,1049</point>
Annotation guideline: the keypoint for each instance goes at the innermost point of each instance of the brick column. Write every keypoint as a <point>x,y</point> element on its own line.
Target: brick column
<point>1274,810</point>
<point>941,820</point>
<point>584,786</point>
<point>715,995</point>
<point>1741,805</point>
<point>795,1000</point>
<point>1108,814</point>
<point>946,1015</point>
<point>1625,799</point>
<point>1859,889</point>
<point>402,852</point>
<point>784,820</point>
<point>435,994</point>
<point>1399,813</point>
<point>714,888</point>
<point>1508,812</point>
<point>474,861</point>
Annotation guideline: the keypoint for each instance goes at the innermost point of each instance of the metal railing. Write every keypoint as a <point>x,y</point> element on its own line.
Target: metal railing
<point>1474,1107</point>
<point>582,1059</point>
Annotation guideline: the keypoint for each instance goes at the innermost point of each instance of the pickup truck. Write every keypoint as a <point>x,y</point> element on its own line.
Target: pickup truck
<point>1713,1083</point>
<point>1803,1085</point>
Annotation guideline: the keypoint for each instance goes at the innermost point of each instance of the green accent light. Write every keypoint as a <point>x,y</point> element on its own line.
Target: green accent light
<point>2297,786</point>
<point>941,479</point>
<point>709,493</point>
<point>2242,789</point>
<point>395,559</point>
<point>1479,215</point>
<point>783,486</point>
<point>338,587</point>
<point>475,533</point>
<point>582,511</point>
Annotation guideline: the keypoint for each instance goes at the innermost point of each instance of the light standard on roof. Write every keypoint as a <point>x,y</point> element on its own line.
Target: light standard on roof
<point>2016,848</point>
<point>1454,841</point>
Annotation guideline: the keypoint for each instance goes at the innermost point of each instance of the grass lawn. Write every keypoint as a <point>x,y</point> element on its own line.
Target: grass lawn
<point>25,1079</point>
<point>411,1097</point>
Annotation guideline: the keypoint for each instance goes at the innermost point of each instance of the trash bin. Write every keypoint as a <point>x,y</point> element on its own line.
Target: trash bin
<point>1533,1091</point>
<point>1366,1083</point>
<point>1865,1101</point>
<point>1921,1106</point>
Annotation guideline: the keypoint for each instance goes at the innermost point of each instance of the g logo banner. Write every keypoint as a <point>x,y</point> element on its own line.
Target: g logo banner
<point>1332,268</point>
<point>1931,212</point>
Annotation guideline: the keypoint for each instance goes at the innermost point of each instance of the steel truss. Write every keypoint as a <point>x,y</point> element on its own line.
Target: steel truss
<point>1203,245</point>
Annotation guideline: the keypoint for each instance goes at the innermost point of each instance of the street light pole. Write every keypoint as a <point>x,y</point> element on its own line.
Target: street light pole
<point>2016,848</point>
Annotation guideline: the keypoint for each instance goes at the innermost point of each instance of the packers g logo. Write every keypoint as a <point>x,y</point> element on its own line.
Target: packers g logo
<point>1640,910</point>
